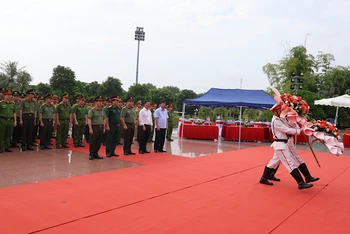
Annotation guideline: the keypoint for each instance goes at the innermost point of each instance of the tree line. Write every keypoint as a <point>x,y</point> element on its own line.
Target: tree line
<point>63,80</point>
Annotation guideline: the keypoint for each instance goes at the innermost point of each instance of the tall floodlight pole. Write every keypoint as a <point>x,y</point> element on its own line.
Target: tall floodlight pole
<point>139,36</point>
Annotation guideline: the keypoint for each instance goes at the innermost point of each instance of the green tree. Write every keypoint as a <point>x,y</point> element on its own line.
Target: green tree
<point>297,60</point>
<point>139,92</point>
<point>63,80</point>
<point>182,96</point>
<point>335,82</point>
<point>173,89</point>
<point>93,89</point>
<point>111,87</point>
<point>10,73</point>
<point>23,81</point>
<point>43,88</point>
<point>162,94</point>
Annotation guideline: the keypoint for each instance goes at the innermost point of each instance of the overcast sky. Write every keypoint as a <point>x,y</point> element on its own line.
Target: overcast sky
<point>192,44</point>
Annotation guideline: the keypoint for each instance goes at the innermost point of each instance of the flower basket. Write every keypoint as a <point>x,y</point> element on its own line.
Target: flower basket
<point>296,103</point>
<point>199,122</point>
<point>327,128</point>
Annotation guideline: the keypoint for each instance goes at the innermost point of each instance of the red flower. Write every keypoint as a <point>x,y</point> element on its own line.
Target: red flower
<point>322,125</point>
<point>331,128</point>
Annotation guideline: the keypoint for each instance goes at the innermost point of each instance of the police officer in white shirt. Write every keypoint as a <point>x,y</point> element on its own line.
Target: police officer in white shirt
<point>161,122</point>
<point>145,126</point>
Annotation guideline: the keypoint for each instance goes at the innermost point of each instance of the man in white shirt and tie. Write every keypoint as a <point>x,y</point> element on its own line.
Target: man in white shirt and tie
<point>145,126</point>
<point>161,120</point>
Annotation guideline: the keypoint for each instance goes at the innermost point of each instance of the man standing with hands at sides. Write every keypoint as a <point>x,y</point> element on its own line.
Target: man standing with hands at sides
<point>7,121</point>
<point>46,116</point>
<point>79,113</point>
<point>96,121</point>
<point>127,117</point>
<point>63,119</point>
<point>27,116</point>
<point>145,126</point>
<point>161,117</point>
<point>170,122</point>
<point>113,126</point>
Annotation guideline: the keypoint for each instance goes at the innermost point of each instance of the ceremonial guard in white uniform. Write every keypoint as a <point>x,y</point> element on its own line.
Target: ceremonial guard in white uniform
<point>285,153</point>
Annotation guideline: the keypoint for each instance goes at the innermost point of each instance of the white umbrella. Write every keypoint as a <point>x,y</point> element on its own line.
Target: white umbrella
<point>341,101</point>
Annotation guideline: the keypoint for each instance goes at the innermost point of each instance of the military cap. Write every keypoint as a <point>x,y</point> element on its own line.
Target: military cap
<point>81,97</point>
<point>65,95</point>
<point>7,92</point>
<point>15,93</point>
<point>2,90</point>
<point>139,102</point>
<point>129,99</point>
<point>115,98</point>
<point>31,91</point>
<point>48,96</point>
<point>22,95</point>
<point>99,98</point>
<point>41,97</point>
<point>54,97</point>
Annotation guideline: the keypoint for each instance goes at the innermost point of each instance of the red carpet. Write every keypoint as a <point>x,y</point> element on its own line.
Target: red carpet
<point>214,194</point>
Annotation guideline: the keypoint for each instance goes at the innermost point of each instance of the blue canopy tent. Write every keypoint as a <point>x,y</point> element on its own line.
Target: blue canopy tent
<point>257,99</point>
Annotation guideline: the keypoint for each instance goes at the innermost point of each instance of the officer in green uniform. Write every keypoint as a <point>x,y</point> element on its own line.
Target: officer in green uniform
<point>7,121</point>
<point>79,112</point>
<point>113,126</point>
<point>127,117</point>
<point>27,116</point>
<point>170,122</point>
<point>96,122</point>
<point>63,119</point>
<point>46,117</point>
<point>16,136</point>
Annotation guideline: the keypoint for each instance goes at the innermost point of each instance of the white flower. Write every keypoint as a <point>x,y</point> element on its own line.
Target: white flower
<point>316,128</point>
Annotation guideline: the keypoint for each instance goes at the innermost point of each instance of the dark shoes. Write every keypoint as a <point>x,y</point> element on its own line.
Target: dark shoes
<point>30,148</point>
<point>147,152</point>
<point>141,152</point>
<point>303,185</point>
<point>272,175</point>
<point>8,150</point>
<point>65,146</point>
<point>297,176</point>
<point>91,157</point>
<point>98,157</point>
<point>81,145</point>
<point>132,153</point>
<point>305,171</point>
<point>163,151</point>
<point>170,139</point>
<point>266,174</point>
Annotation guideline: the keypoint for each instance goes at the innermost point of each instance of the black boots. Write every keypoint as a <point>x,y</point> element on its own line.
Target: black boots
<point>272,175</point>
<point>308,178</point>
<point>297,176</point>
<point>265,176</point>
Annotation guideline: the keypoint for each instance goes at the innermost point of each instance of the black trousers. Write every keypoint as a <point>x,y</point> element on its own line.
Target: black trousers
<point>112,138</point>
<point>16,137</point>
<point>36,129</point>
<point>128,137</point>
<point>160,139</point>
<point>46,132</point>
<point>27,130</point>
<point>96,139</point>
<point>143,137</point>
<point>87,134</point>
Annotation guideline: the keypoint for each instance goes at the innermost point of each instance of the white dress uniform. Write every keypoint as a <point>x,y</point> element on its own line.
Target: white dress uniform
<point>283,145</point>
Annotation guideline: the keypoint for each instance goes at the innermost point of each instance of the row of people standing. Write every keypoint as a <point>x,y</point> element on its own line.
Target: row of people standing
<point>49,116</point>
